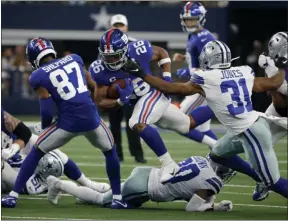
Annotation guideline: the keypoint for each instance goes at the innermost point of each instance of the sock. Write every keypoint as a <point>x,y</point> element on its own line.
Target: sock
<point>81,192</point>
<point>238,164</point>
<point>194,135</point>
<point>71,170</point>
<point>27,169</point>
<point>201,137</point>
<point>202,114</point>
<point>281,187</point>
<point>211,134</point>
<point>209,141</point>
<point>113,170</point>
<point>166,159</point>
<point>153,140</point>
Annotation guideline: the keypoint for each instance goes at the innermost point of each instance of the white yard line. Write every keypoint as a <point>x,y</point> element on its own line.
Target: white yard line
<point>40,217</point>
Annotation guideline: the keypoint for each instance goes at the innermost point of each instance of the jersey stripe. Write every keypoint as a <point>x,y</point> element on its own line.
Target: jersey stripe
<point>108,39</point>
<point>148,105</point>
<point>41,43</point>
<point>188,7</point>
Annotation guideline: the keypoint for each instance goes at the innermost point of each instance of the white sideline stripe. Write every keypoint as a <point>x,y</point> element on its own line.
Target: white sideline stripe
<point>40,217</point>
<point>177,201</point>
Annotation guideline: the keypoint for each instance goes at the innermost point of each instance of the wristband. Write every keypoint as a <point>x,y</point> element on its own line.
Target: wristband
<point>166,74</point>
<point>120,102</point>
<point>164,61</point>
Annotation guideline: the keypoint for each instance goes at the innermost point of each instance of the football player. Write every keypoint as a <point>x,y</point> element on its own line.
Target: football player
<point>65,82</point>
<point>53,163</point>
<point>228,92</point>
<point>196,182</point>
<point>150,105</point>
<point>278,52</point>
<point>192,20</point>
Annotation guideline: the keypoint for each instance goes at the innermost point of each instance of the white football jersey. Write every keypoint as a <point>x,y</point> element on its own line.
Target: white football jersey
<point>283,88</point>
<point>195,173</point>
<point>228,94</point>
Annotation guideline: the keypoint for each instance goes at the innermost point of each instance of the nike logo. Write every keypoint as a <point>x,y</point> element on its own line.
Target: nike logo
<point>122,204</point>
<point>128,96</point>
<point>173,173</point>
<point>135,70</point>
<point>284,62</point>
<point>204,39</point>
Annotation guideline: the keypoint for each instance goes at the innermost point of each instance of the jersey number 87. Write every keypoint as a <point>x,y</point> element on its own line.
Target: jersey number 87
<point>65,83</point>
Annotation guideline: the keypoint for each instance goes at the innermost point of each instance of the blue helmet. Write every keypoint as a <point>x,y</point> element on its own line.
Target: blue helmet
<point>113,49</point>
<point>193,11</point>
<point>37,48</point>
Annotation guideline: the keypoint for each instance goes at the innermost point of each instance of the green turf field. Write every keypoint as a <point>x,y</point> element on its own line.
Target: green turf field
<point>92,163</point>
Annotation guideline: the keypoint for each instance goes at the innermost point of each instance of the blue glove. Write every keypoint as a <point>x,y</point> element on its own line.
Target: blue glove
<point>15,161</point>
<point>184,74</point>
<point>126,92</point>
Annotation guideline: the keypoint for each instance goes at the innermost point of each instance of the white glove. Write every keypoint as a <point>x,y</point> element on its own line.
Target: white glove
<point>10,152</point>
<point>224,205</point>
<point>268,64</point>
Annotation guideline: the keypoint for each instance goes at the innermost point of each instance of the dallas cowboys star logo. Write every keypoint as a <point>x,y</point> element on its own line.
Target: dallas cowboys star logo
<point>102,19</point>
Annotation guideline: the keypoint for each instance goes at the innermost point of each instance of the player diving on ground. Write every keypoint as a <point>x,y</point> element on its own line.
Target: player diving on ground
<point>196,182</point>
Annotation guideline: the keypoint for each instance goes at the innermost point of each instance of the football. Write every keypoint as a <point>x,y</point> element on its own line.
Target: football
<point>112,90</point>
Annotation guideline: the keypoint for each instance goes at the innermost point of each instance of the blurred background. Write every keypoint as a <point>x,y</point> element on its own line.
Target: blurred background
<point>76,26</point>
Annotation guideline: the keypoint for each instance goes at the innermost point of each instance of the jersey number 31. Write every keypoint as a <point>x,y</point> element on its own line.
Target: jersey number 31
<point>235,96</point>
<point>70,91</point>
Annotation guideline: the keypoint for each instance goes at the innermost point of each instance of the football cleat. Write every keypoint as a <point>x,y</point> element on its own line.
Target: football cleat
<point>224,205</point>
<point>120,204</point>
<point>169,171</point>
<point>53,193</point>
<point>9,201</point>
<point>261,192</point>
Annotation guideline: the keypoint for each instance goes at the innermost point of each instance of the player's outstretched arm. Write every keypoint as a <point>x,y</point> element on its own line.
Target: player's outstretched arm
<point>184,89</point>
<point>262,84</point>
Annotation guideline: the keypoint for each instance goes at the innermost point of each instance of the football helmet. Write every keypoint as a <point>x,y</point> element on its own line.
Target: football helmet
<point>193,11</point>
<point>50,164</point>
<point>37,48</point>
<point>277,46</point>
<point>215,54</point>
<point>113,49</point>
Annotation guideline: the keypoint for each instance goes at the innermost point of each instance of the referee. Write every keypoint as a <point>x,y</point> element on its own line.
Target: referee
<point>120,22</point>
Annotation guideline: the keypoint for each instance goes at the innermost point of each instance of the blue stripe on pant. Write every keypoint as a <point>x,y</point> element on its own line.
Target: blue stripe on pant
<point>260,173</point>
<point>262,155</point>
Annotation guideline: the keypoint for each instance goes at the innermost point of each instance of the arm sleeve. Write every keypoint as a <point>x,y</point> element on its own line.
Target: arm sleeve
<point>78,59</point>
<point>142,52</point>
<point>97,72</point>
<point>34,80</point>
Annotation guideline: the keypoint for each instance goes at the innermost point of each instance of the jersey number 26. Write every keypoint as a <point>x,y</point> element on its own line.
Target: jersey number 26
<point>70,91</point>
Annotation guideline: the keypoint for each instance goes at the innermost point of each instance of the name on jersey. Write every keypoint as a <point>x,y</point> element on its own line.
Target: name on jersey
<point>227,74</point>
<point>202,163</point>
<point>56,64</point>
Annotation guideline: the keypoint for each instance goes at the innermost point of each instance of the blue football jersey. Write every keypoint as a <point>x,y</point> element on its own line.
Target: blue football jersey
<point>142,52</point>
<point>64,79</point>
<point>195,44</point>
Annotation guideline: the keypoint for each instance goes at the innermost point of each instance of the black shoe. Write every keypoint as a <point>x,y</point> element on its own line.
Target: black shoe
<point>140,160</point>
